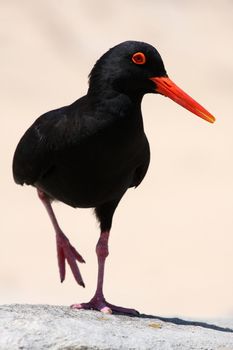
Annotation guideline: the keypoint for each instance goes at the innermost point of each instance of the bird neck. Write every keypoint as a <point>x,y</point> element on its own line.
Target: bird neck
<point>101,89</point>
<point>114,105</point>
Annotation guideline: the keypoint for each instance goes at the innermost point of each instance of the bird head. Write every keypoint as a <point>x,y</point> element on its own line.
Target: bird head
<point>136,68</point>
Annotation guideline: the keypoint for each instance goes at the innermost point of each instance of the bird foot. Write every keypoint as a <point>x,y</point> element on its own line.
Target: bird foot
<point>100,304</point>
<point>65,251</point>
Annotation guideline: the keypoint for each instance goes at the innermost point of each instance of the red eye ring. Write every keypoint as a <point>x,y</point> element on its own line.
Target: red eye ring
<point>139,58</point>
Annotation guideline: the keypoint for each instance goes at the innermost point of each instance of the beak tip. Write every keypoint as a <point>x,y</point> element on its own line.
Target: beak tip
<point>207,116</point>
<point>211,119</point>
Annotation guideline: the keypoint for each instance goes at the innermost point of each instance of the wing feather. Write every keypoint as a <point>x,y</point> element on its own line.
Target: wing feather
<point>41,143</point>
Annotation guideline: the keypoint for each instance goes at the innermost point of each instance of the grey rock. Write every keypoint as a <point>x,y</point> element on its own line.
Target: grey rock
<point>38,327</point>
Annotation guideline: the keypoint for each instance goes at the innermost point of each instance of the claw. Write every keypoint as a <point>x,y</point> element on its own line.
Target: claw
<point>106,310</point>
<point>77,255</point>
<point>75,270</point>
<point>65,251</point>
<point>100,304</point>
<point>61,263</point>
<point>122,310</point>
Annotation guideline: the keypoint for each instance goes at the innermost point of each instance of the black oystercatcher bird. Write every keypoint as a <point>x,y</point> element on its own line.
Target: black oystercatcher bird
<point>89,153</point>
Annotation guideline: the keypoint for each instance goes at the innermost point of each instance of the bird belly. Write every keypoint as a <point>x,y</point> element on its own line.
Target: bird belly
<point>85,188</point>
<point>95,172</point>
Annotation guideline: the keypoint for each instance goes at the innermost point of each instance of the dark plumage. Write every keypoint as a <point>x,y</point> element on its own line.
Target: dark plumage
<point>89,153</point>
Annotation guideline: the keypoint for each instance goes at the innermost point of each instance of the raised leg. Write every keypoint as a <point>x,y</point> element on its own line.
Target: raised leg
<point>98,301</point>
<point>65,251</point>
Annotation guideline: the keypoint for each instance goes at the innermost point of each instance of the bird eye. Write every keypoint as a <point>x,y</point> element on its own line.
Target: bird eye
<point>139,58</point>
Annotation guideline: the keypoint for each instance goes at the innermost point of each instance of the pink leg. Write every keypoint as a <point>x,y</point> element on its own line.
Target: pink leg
<point>98,302</point>
<point>64,249</point>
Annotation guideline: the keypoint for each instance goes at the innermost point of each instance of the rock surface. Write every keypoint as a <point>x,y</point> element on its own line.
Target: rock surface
<point>58,327</point>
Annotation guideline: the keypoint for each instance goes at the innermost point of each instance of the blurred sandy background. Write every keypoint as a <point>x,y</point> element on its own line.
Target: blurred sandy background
<point>172,241</point>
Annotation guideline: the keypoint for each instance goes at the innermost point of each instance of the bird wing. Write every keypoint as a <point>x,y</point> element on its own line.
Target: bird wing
<point>42,143</point>
<point>141,170</point>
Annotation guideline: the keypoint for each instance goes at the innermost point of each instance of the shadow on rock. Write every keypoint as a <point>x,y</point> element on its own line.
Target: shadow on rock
<point>180,322</point>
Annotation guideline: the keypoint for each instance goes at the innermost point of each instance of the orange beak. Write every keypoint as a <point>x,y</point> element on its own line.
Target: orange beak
<point>166,87</point>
